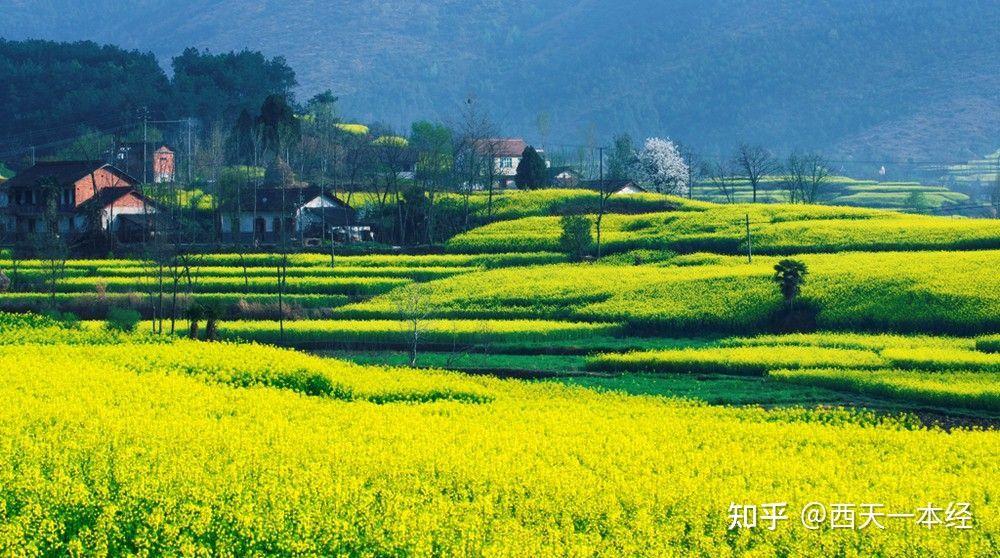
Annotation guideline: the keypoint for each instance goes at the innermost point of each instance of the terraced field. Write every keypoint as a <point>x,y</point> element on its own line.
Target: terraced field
<point>612,407</point>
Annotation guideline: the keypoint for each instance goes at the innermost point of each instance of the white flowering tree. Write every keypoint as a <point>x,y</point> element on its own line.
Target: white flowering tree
<point>662,166</point>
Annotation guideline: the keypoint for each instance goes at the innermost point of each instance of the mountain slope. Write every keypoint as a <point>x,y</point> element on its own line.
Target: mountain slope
<point>915,78</point>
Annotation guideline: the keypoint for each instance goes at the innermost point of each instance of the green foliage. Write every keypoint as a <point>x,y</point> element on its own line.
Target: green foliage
<point>49,84</point>
<point>217,87</point>
<point>575,240</point>
<point>989,344</point>
<point>752,361</point>
<point>122,320</point>
<point>279,126</point>
<point>532,173</point>
<point>789,275</point>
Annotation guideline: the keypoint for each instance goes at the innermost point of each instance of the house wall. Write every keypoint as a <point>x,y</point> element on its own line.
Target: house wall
<point>101,178</point>
<point>129,204</point>
<point>506,171</point>
<point>246,222</point>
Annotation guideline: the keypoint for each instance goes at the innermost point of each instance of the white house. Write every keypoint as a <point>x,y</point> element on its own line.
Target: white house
<point>268,215</point>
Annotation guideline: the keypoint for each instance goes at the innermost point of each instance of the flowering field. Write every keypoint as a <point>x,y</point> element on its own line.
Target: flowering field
<point>934,292</point>
<point>775,229</point>
<point>664,397</point>
<point>217,449</point>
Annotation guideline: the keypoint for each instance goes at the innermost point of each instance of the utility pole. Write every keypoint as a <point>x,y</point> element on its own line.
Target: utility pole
<point>600,156</point>
<point>145,140</point>
<point>749,242</point>
<point>189,150</point>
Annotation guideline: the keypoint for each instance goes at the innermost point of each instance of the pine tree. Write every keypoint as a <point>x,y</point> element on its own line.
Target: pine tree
<point>531,171</point>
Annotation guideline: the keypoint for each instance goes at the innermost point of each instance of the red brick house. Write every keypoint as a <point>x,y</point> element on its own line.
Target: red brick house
<point>164,167</point>
<point>145,163</point>
<point>83,194</point>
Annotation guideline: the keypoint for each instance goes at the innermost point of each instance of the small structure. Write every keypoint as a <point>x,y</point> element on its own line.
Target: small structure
<point>80,196</point>
<point>564,177</point>
<point>164,165</point>
<point>158,165</point>
<point>269,214</point>
<point>617,185</point>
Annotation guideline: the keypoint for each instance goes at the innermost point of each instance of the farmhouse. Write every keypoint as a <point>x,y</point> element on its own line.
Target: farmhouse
<point>564,177</point>
<point>269,214</point>
<point>506,155</point>
<point>73,198</point>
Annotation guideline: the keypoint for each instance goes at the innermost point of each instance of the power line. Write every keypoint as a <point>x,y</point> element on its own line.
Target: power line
<point>56,143</point>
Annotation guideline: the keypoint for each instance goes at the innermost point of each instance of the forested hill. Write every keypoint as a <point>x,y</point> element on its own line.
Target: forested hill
<point>903,78</point>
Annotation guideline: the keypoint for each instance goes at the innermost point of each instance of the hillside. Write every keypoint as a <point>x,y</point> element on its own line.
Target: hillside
<point>862,80</point>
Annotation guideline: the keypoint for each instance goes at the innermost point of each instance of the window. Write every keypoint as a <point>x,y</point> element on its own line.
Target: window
<point>506,162</point>
<point>276,225</point>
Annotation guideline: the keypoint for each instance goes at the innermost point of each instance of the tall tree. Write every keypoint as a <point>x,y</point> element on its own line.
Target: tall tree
<point>755,162</point>
<point>214,87</point>
<point>623,159</point>
<point>432,145</point>
<point>662,167</point>
<point>280,129</point>
<point>531,171</point>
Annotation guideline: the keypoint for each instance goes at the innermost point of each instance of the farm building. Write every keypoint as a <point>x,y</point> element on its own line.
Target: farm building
<point>145,163</point>
<point>506,155</point>
<point>81,196</point>
<point>564,177</point>
<point>269,214</point>
<point>617,185</point>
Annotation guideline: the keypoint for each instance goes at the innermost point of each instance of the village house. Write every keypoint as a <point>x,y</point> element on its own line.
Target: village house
<point>282,209</point>
<point>564,177</point>
<point>270,214</point>
<point>506,155</point>
<point>81,196</point>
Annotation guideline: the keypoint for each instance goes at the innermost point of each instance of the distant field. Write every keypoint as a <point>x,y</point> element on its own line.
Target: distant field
<point>775,229</point>
<point>940,292</point>
<point>839,190</point>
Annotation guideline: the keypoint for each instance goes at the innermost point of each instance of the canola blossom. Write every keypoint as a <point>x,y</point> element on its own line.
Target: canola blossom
<point>194,449</point>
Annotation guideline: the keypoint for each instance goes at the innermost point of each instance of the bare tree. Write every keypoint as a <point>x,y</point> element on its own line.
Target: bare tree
<point>478,152</point>
<point>755,163</point>
<point>817,176</point>
<point>721,177</point>
<point>795,177</point>
<point>50,244</point>
<point>696,167</point>
<point>604,193</point>
<point>413,305</point>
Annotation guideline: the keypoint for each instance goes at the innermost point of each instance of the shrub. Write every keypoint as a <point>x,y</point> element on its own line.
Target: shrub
<point>122,319</point>
<point>575,240</point>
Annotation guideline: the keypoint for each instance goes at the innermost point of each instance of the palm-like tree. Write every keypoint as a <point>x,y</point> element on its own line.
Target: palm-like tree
<point>789,275</point>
